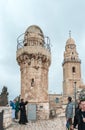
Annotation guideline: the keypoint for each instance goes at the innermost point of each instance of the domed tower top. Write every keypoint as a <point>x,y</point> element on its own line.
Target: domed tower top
<point>33,42</point>
<point>70,41</point>
<point>34,36</point>
<point>34,29</point>
<point>70,44</point>
<point>70,53</point>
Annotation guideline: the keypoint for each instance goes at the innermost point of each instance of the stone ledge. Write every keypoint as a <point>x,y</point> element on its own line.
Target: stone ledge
<point>7,116</point>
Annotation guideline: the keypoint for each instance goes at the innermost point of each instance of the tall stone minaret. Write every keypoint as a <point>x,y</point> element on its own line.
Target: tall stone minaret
<point>71,68</point>
<point>34,59</point>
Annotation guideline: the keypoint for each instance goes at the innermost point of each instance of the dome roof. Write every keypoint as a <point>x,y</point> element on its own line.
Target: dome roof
<point>70,41</point>
<point>33,36</point>
<point>35,29</point>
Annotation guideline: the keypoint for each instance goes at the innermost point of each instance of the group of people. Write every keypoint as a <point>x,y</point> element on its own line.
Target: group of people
<point>73,120</point>
<point>19,107</point>
<point>76,120</point>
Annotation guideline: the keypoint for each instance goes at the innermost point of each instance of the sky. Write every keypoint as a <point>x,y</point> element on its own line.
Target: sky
<point>55,18</point>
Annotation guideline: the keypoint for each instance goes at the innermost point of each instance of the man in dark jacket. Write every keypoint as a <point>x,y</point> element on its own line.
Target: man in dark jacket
<point>80,117</point>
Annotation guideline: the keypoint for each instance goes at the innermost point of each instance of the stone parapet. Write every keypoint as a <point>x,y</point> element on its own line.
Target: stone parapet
<point>43,111</point>
<point>34,50</point>
<point>7,116</point>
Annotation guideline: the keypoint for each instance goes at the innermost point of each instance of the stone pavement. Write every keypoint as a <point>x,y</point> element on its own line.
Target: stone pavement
<point>52,124</point>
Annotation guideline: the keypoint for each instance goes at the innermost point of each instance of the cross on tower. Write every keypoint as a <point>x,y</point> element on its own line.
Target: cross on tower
<point>69,33</point>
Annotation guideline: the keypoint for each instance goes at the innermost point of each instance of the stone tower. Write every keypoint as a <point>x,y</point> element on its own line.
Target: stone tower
<point>71,68</point>
<point>34,59</point>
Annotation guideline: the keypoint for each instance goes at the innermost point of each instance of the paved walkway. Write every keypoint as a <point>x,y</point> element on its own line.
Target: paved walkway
<point>53,124</point>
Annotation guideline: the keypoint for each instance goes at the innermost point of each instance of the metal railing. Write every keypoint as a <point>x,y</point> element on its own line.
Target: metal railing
<point>71,60</point>
<point>46,43</point>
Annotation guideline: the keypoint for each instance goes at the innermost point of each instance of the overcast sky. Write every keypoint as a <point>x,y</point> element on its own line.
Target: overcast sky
<point>55,18</point>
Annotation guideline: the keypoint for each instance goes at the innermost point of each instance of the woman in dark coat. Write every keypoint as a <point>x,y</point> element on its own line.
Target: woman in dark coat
<point>23,117</point>
<point>80,117</point>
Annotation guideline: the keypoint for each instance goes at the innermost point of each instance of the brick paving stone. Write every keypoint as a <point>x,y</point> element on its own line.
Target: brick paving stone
<point>53,124</point>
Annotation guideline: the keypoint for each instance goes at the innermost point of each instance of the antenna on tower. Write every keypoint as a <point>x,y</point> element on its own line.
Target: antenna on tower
<point>69,33</point>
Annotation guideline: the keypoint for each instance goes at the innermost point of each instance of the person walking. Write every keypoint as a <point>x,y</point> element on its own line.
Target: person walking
<point>80,117</point>
<point>69,113</point>
<point>16,109</point>
<point>23,117</point>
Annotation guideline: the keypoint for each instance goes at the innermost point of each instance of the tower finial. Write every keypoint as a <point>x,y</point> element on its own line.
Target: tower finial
<point>69,33</point>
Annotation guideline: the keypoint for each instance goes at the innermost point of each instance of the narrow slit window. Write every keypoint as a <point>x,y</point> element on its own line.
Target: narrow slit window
<point>73,69</point>
<point>32,82</point>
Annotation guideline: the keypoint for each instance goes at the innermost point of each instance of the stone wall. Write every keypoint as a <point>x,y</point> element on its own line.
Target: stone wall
<point>43,111</point>
<point>7,116</point>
